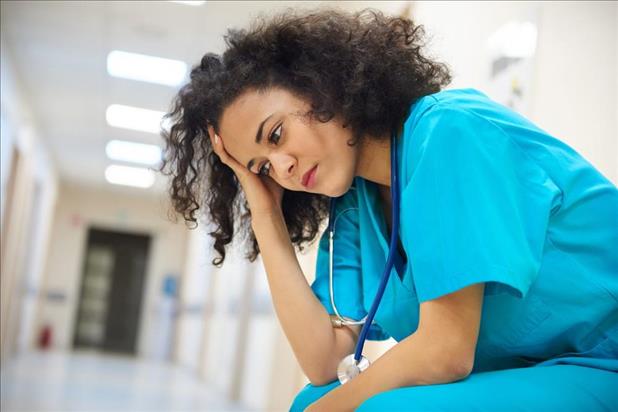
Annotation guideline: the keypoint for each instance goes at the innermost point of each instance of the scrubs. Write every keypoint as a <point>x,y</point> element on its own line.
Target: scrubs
<point>487,196</point>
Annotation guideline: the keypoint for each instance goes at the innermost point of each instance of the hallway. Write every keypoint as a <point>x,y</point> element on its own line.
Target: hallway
<point>89,381</point>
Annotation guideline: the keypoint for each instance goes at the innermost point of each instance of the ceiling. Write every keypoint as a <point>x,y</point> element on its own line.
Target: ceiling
<point>59,52</point>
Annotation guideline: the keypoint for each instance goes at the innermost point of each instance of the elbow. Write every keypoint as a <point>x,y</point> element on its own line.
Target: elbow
<point>449,362</point>
<point>321,379</point>
<point>322,375</point>
<point>457,368</point>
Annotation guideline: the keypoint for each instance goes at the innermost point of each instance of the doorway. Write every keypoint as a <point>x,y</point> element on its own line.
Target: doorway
<point>111,292</point>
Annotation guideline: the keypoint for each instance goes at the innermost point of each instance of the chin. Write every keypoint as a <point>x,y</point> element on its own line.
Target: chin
<point>339,190</point>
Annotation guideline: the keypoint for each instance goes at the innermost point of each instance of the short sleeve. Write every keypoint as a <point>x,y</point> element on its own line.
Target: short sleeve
<point>477,207</point>
<point>347,266</point>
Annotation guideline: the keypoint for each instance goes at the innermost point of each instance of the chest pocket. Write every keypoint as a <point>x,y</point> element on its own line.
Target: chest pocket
<point>399,309</point>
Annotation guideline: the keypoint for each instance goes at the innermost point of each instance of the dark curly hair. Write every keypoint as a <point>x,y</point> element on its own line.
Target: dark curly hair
<point>365,67</point>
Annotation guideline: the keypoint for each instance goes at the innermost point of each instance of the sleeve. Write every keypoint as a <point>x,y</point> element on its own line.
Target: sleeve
<point>477,206</point>
<point>347,267</point>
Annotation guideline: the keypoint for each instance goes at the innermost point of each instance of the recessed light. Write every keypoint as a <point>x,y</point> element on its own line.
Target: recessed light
<point>148,154</point>
<point>188,2</point>
<point>145,68</point>
<point>515,39</point>
<point>129,176</point>
<point>135,118</point>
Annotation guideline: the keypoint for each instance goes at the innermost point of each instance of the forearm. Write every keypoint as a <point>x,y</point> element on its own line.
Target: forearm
<point>304,320</point>
<point>416,360</point>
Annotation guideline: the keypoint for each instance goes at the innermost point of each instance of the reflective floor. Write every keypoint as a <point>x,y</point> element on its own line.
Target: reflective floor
<point>83,381</point>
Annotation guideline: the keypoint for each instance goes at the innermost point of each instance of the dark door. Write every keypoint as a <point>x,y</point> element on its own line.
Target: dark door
<point>111,291</point>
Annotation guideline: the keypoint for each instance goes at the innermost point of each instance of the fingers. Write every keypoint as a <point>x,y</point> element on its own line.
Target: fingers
<point>275,188</point>
<point>217,145</point>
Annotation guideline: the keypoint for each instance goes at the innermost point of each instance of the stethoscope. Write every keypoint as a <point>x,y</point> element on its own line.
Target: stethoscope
<point>355,363</point>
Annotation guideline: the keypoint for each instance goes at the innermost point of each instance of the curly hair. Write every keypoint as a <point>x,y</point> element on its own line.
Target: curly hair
<point>365,67</point>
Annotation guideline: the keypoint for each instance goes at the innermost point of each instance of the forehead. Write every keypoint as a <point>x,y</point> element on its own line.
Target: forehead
<point>252,107</point>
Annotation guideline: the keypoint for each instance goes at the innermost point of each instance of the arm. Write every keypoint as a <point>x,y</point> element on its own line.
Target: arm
<point>305,322</point>
<point>440,351</point>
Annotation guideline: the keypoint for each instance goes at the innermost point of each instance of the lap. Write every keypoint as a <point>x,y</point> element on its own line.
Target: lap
<point>556,387</point>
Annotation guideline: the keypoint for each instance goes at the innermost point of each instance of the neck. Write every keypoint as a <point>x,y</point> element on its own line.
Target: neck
<point>374,162</point>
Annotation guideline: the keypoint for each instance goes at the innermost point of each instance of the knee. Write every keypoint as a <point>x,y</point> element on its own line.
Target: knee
<point>372,404</point>
<point>310,394</point>
<point>408,399</point>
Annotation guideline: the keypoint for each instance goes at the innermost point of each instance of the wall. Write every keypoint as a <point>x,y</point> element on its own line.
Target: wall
<point>76,210</point>
<point>26,230</point>
<point>573,93</point>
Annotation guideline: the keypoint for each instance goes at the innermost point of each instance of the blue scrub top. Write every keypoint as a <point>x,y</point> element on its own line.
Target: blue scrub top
<point>487,196</point>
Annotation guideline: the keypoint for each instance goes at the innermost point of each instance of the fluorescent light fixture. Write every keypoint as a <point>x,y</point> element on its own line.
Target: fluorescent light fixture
<point>189,3</point>
<point>129,176</point>
<point>514,39</point>
<point>135,118</point>
<point>148,154</point>
<point>146,68</point>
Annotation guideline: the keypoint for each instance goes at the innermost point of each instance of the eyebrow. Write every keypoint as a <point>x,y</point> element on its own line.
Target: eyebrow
<point>258,139</point>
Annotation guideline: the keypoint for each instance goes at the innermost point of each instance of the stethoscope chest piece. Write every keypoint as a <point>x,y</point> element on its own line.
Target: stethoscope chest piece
<point>348,368</point>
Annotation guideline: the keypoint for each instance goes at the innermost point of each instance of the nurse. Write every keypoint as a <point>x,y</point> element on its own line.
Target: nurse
<point>504,295</point>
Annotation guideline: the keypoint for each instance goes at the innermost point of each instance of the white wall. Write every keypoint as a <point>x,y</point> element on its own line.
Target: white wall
<point>575,74</point>
<point>77,209</point>
<point>576,95</point>
<point>32,205</point>
<point>195,293</point>
<point>222,346</point>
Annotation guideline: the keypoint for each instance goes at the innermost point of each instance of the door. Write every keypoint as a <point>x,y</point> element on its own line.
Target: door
<point>111,292</point>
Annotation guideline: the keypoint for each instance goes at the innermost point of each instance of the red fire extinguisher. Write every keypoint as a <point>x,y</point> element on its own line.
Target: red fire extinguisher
<point>45,337</point>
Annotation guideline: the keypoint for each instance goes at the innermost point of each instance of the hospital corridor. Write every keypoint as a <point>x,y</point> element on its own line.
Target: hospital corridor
<point>109,300</point>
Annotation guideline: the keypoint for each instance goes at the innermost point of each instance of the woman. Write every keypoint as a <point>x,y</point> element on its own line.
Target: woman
<point>506,281</point>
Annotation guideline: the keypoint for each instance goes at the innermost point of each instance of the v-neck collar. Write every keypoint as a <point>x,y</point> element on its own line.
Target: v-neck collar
<point>372,200</point>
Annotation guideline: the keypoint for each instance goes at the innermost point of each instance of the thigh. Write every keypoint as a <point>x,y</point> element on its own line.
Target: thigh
<point>542,388</point>
<point>310,394</point>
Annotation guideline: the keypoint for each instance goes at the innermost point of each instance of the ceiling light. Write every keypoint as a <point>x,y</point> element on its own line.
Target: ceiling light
<point>135,118</point>
<point>146,68</point>
<point>189,3</point>
<point>515,40</point>
<point>129,176</point>
<point>148,154</point>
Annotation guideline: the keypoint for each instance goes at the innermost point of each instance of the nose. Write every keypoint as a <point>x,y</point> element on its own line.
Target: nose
<point>284,165</point>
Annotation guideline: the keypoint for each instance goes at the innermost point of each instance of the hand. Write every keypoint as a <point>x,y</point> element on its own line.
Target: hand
<point>263,193</point>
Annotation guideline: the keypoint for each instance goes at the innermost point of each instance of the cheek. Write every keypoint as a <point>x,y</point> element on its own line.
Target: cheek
<point>337,174</point>
<point>340,162</point>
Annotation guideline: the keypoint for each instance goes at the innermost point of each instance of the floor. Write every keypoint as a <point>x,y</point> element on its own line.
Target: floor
<point>83,381</point>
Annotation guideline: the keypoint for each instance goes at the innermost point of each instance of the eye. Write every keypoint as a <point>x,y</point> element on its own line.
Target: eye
<point>264,171</point>
<point>274,138</point>
<point>275,135</point>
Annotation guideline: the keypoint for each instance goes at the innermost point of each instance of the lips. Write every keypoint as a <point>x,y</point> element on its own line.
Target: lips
<point>307,175</point>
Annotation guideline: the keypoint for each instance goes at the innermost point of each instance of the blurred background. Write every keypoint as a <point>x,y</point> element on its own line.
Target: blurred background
<point>106,303</point>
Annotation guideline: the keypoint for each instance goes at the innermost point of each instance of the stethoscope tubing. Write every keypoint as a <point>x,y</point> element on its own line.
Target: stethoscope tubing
<point>367,321</point>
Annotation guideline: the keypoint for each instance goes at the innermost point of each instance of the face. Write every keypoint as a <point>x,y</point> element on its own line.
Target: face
<point>288,146</point>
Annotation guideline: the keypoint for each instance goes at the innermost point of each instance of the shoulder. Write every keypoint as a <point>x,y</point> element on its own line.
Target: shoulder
<point>451,125</point>
<point>448,106</point>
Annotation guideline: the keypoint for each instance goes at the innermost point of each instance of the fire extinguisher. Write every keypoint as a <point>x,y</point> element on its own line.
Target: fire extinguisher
<point>45,337</point>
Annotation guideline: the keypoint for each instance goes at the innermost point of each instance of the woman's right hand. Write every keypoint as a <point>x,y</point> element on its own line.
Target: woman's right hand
<point>262,192</point>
